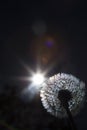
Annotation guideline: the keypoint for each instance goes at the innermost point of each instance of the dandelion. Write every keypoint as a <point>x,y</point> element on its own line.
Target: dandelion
<point>51,89</point>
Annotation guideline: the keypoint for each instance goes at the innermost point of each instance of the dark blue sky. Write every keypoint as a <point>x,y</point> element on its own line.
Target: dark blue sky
<point>66,26</point>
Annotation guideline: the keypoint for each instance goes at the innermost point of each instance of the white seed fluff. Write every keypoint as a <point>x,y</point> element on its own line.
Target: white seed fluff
<point>51,88</point>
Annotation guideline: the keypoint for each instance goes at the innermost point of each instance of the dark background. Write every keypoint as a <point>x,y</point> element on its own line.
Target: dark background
<point>20,45</point>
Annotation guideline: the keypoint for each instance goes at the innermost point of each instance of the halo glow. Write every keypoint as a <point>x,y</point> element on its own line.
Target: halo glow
<point>38,79</point>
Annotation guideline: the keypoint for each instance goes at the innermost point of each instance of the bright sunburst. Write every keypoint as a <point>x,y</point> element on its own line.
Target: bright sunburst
<point>38,78</point>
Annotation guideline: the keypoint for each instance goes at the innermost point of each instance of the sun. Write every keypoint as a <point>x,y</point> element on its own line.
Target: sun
<point>38,78</point>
